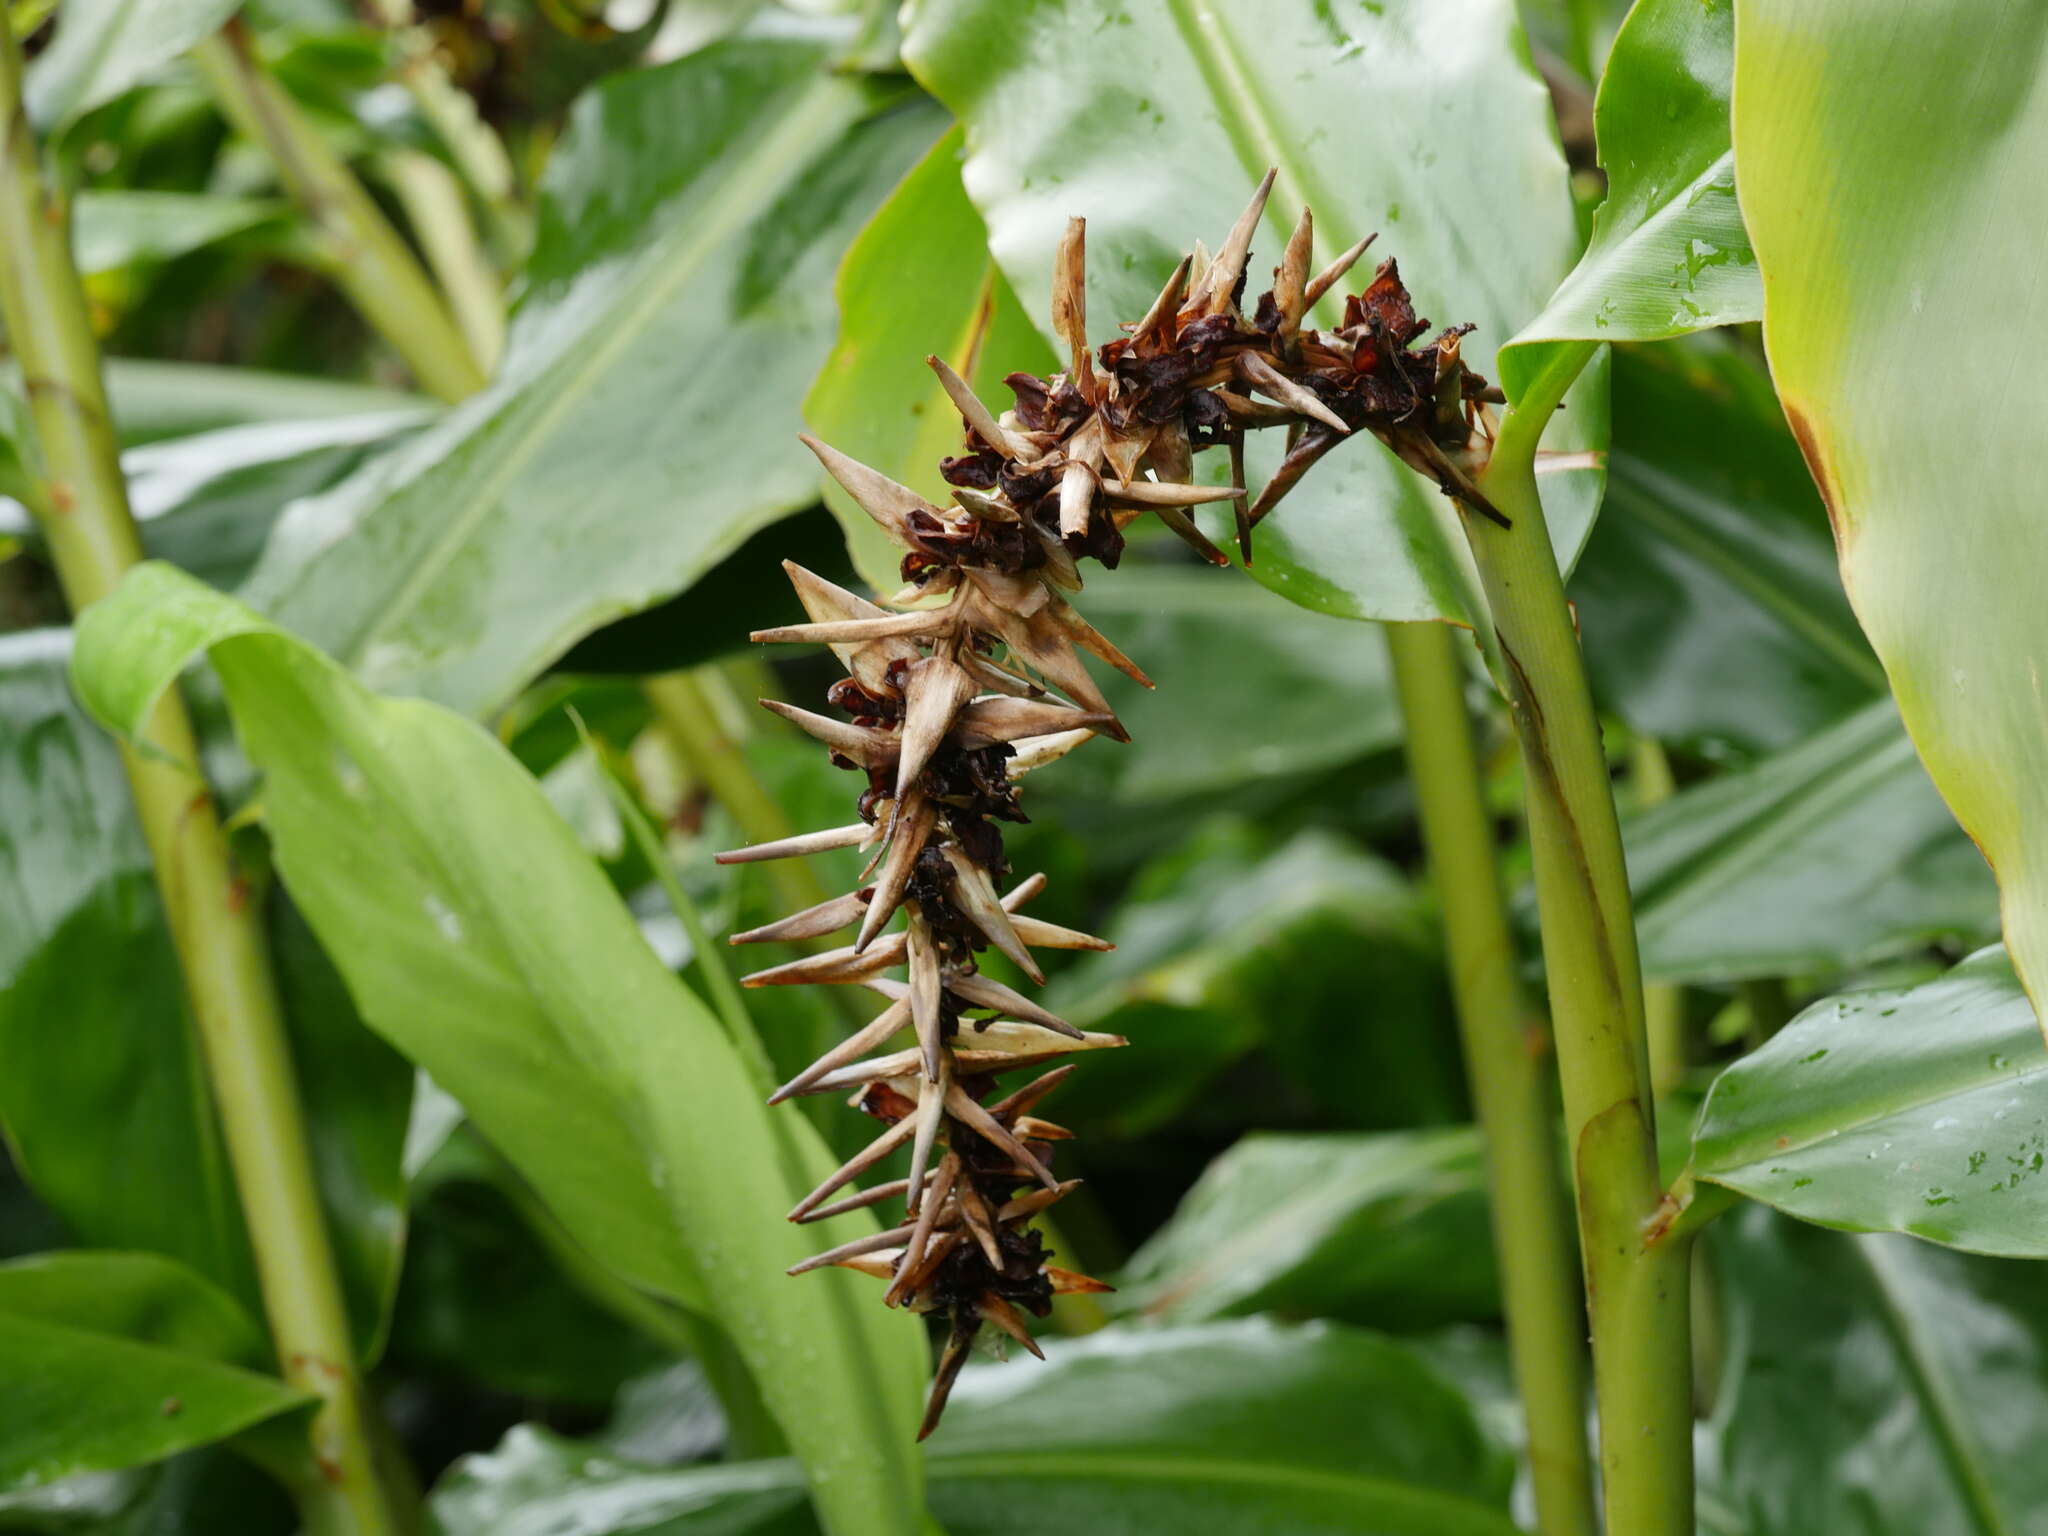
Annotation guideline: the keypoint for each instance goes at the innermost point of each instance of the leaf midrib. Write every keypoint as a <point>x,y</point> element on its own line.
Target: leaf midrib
<point>1939,1398</point>
<point>663,272</point>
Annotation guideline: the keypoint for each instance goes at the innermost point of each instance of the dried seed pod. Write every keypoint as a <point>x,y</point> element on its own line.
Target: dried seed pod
<point>947,704</point>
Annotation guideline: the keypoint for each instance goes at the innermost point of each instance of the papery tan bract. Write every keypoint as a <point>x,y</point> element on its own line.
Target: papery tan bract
<point>973,675</point>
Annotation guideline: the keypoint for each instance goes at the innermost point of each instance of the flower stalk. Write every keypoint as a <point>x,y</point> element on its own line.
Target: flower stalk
<point>1636,1271</point>
<point>1508,1063</point>
<point>214,924</point>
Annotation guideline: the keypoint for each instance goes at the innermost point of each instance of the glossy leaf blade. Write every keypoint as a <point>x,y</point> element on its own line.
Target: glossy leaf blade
<point>1708,599</point>
<point>1668,253</point>
<point>1826,856</point>
<point>1249,691</point>
<point>117,1360</point>
<point>83,939</point>
<point>1230,1429</point>
<point>1417,120</point>
<point>1390,1228</point>
<point>102,47</point>
<point>918,281</point>
<point>1890,165</point>
<point>1922,1110</point>
<point>1229,946</point>
<point>1873,1384</point>
<point>644,422</point>
<point>110,229</point>
<point>477,936</point>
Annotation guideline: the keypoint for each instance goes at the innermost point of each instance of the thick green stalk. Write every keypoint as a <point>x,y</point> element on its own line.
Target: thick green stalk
<point>371,263</point>
<point>1649,772</point>
<point>1507,1063</point>
<point>213,922</point>
<point>1636,1284</point>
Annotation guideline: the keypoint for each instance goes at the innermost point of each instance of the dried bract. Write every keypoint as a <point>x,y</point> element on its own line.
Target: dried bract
<point>973,674</point>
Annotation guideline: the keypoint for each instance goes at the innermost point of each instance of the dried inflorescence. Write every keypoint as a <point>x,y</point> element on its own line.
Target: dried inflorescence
<point>946,705</point>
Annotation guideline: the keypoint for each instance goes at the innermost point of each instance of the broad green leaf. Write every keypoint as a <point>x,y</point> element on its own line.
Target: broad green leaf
<point>1249,689</point>
<point>1668,253</point>
<point>102,47</point>
<point>83,938</point>
<point>1416,119</point>
<point>481,940</point>
<point>142,1297</point>
<point>918,281</point>
<point>1890,165</point>
<point>206,502</point>
<point>215,1489</point>
<point>116,1360</point>
<point>1822,857</point>
<point>152,399</point>
<point>677,302</point>
<point>1708,598</point>
<point>1230,946</point>
<point>1230,1429</point>
<point>1921,1110</point>
<point>1874,1385</point>
<point>1387,1229</point>
<point>110,230</point>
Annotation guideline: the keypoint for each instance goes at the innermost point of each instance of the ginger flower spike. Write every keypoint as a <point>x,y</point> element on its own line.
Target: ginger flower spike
<point>944,707</point>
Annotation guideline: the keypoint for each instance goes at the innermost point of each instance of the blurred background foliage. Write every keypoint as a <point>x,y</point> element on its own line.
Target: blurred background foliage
<point>664,197</point>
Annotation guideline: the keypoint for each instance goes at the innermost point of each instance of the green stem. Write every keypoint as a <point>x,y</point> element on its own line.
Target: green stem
<point>1636,1287</point>
<point>1649,772</point>
<point>1507,1061</point>
<point>372,264</point>
<point>435,207</point>
<point>214,922</point>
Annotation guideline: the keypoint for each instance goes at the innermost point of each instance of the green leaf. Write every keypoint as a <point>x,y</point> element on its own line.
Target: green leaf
<point>1668,253</point>
<point>1708,598</point>
<point>116,1360</point>
<point>1889,170</point>
<point>1387,1229</point>
<point>83,938</point>
<point>918,281</point>
<point>1230,1429</point>
<point>110,230</point>
<point>103,47</point>
<point>482,941</point>
<point>1249,689</point>
<point>1155,122</point>
<point>206,502</point>
<point>1229,946</point>
<point>1921,1110</point>
<point>1874,1385</point>
<point>152,399</point>
<point>214,1489</point>
<point>677,303</point>
<point>139,1296</point>
<point>1828,855</point>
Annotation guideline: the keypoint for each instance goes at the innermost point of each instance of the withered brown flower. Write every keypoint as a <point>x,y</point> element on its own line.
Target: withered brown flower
<point>946,705</point>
